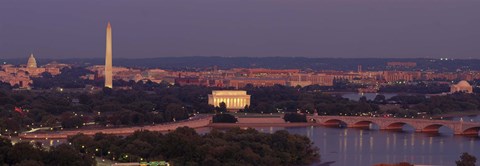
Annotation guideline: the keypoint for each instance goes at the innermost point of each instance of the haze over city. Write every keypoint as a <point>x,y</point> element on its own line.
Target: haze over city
<point>324,28</point>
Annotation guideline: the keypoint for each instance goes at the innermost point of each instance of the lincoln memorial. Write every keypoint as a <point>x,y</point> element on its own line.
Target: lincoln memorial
<point>234,99</point>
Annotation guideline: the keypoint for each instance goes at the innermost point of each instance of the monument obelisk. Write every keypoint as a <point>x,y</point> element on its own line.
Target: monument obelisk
<point>108,58</point>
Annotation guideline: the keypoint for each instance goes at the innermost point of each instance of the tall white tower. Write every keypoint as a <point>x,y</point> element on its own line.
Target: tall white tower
<point>108,58</point>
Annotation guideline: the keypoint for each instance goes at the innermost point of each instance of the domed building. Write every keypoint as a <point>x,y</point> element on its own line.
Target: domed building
<point>462,86</point>
<point>21,75</point>
<point>32,62</point>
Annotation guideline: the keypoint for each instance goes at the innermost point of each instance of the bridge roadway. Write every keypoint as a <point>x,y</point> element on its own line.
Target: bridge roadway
<point>420,125</point>
<point>196,122</point>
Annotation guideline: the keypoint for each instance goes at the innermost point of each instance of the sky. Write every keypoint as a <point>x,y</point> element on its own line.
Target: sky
<point>237,28</point>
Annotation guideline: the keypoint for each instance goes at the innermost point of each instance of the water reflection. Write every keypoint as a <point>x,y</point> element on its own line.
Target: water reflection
<point>347,146</point>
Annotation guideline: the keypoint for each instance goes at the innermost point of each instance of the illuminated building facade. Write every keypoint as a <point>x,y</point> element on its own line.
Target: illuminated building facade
<point>32,62</point>
<point>234,99</point>
<point>310,79</point>
<point>462,86</point>
<point>108,58</point>
<point>402,64</point>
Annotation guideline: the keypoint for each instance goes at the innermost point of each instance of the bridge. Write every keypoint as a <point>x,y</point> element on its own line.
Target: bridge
<point>197,122</point>
<point>420,125</point>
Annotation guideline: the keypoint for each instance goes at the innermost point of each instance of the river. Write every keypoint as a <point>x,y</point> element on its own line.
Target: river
<point>358,147</point>
<point>348,146</point>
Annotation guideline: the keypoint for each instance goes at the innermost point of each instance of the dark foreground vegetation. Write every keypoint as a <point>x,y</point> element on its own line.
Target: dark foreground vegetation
<point>26,154</point>
<point>466,160</point>
<point>184,146</point>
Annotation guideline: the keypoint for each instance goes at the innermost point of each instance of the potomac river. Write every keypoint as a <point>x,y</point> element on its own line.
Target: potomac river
<point>352,146</point>
<point>349,146</point>
<point>363,147</point>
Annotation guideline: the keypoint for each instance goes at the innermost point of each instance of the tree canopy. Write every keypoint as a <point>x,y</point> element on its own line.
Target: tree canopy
<point>184,146</point>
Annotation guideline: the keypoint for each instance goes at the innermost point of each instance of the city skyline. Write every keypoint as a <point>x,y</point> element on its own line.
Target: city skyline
<point>240,82</point>
<point>347,29</point>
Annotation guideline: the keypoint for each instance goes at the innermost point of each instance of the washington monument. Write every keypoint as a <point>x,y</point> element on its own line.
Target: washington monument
<point>108,58</point>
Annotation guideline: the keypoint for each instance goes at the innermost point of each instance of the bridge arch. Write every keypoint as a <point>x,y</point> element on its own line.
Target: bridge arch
<point>434,128</point>
<point>335,123</point>
<point>397,126</point>
<point>365,124</point>
<point>475,131</point>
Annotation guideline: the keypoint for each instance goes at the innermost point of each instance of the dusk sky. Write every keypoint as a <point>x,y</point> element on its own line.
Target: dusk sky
<point>255,28</point>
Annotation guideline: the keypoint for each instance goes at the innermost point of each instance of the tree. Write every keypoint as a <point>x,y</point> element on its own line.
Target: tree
<point>175,111</point>
<point>71,121</point>
<point>184,146</point>
<point>23,151</point>
<point>246,108</point>
<point>224,118</point>
<point>466,160</point>
<point>5,147</point>
<point>66,155</point>
<point>222,107</point>
<point>363,99</point>
<point>295,117</point>
<point>379,99</point>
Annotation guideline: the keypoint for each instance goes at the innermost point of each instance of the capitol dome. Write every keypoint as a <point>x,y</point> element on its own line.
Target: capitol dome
<point>462,86</point>
<point>32,63</point>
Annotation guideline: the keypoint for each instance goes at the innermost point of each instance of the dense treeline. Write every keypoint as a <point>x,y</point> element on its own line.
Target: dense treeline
<point>152,103</point>
<point>186,147</point>
<point>295,117</point>
<point>419,105</point>
<point>26,154</point>
<point>69,78</point>
<point>420,88</point>
<point>458,102</point>
<point>113,107</point>
<point>289,99</point>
